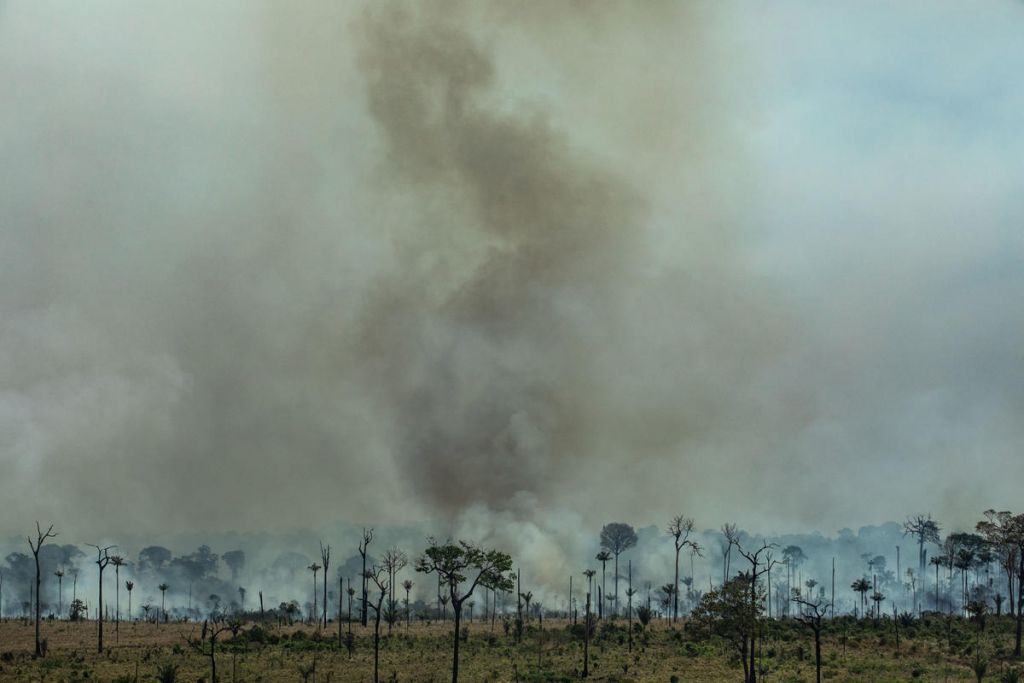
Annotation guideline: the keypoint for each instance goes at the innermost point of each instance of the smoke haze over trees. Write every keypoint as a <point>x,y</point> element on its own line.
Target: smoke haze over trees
<point>517,269</point>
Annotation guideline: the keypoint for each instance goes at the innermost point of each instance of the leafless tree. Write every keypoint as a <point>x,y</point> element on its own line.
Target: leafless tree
<point>41,537</point>
<point>325,557</point>
<point>363,545</point>
<point>102,560</point>
<point>730,533</point>
<point>604,557</point>
<point>587,628</point>
<point>378,575</point>
<point>926,530</point>
<point>810,615</point>
<point>206,644</point>
<point>313,616</point>
<point>758,568</point>
<point>394,561</point>
<point>680,529</point>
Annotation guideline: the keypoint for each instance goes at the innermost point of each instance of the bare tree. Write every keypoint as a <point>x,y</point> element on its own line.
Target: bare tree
<point>680,529</point>
<point>587,628</point>
<point>453,563</point>
<point>810,615</point>
<point>730,533</point>
<point>102,560</point>
<point>129,585</point>
<point>206,644</point>
<point>378,575</point>
<point>754,558</point>
<point>926,530</point>
<point>604,557</point>
<point>325,557</point>
<point>394,561</point>
<point>351,594</point>
<point>629,603</point>
<point>363,545</point>
<point>41,537</point>
<point>313,616</point>
<point>617,538</point>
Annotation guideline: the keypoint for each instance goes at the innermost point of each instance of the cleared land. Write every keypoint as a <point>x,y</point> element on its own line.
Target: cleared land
<point>933,649</point>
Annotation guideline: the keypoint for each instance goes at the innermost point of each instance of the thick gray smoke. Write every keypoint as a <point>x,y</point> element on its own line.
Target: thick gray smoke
<point>542,342</point>
<point>357,274</point>
<point>517,269</point>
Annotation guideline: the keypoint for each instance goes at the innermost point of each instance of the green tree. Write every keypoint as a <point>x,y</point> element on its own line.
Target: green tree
<point>460,564</point>
<point>728,614</point>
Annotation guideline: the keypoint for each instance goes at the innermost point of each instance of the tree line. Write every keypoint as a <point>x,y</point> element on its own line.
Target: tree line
<point>966,574</point>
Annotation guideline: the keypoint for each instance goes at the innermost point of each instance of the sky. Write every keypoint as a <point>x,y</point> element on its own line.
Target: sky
<point>518,269</point>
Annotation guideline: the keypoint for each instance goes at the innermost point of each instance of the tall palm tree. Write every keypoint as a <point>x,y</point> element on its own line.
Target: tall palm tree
<point>862,586</point>
<point>163,594</point>
<point>589,573</point>
<point>407,585</point>
<point>527,597</point>
<point>60,591</point>
<point>604,557</point>
<point>117,561</point>
<point>129,585</point>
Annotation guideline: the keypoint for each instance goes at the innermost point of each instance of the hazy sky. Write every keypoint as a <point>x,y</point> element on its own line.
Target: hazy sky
<point>520,267</point>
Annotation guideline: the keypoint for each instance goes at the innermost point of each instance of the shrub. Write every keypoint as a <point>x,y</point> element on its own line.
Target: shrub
<point>167,673</point>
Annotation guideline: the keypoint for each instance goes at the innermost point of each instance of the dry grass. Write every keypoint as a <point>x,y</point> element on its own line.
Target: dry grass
<point>422,654</point>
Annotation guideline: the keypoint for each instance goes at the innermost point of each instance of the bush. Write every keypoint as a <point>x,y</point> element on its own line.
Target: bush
<point>1011,676</point>
<point>167,673</point>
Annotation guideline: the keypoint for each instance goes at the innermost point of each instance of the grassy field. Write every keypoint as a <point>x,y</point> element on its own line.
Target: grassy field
<point>930,650</point>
